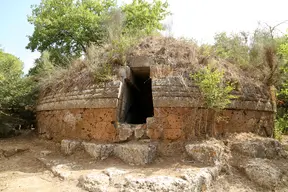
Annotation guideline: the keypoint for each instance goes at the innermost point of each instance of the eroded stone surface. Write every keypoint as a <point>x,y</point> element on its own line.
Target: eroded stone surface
<point>45,153</point>
<point>262,173</point>
<point>69,146</point>
<point>94,182</point>
<point>136,153</point>
<point>116,176</point>
<point>12,151</point>
<point>158,183</point>
<point>125,132</point>
<point>208,152</point>
<point>176,124</point>
<point>86,124</point>
<point>185,180</point>
<point>258,148</point>
<point>139,131</point>
<point>98,151</point>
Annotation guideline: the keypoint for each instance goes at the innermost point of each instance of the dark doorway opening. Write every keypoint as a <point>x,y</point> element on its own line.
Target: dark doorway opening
<point>139,99</point>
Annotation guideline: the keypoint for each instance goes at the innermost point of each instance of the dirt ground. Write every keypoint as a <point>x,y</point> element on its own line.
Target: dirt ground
<point>22,171</point>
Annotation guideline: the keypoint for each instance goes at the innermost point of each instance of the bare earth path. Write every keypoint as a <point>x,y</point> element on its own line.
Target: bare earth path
<point>23,172</point>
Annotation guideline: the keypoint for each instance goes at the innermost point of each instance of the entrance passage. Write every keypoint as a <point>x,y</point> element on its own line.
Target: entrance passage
<point>139,101</point>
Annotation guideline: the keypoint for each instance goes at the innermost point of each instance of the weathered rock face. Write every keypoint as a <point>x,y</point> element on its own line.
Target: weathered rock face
<point>98,151</point>
<point>262,160</point>
<point>118,180</point>
<point>85,124</point>
<point>136,153</point>
<point>268,148</point>
<point>258,148</point>
<point>209,152</point>
<point>68,147</point>
<point>94,182</point>
<point>262,173</point>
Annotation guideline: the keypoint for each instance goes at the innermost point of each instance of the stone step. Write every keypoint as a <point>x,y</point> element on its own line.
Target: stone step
<point>134,153</point>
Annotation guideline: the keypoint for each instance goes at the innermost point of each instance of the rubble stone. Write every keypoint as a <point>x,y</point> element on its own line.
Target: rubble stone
<point>98,151</point>
<point>258,148</point>
<point>68,147</point>
<point>92,182</point>
<point>262,173</point>
<point>208,152</point>
<point>136,153</point>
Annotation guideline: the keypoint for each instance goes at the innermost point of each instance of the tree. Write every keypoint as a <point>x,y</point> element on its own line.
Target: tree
<point>215,91</point>
<point>143,16</point>
<point>42,65</point>
<point>16,93</point>
<point>10,79</point>
<point>232,48</point>
<point>66,28</point>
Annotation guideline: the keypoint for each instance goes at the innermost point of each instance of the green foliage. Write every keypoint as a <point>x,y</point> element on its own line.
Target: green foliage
<point>206,50</point>
<point>281,126</point>
<point>120,39</point>
<point>143,16</point>
<point>16,93</point>
<point>216,92</point>
<point>282,87</point>
<point>232,48</point>
<point>67,28</point>
<point>244,49</point>
<point>13,86</point>
<point>42,65</point>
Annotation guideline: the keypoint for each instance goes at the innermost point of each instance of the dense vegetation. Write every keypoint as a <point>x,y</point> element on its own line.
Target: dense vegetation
<point>67,28</point>
<point>102,32</point>
<point>16,93</point>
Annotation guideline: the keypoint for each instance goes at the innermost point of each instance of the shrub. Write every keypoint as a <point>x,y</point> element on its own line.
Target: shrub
<point>281,125</point>
<point>216,92</point>
<point>232,48</point>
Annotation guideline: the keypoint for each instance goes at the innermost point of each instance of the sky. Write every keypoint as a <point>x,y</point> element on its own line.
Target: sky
<point>197,19</point>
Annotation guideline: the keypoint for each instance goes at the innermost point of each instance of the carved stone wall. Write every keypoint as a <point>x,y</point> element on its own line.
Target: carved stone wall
<point>179,115</point>
<point>88,114</point>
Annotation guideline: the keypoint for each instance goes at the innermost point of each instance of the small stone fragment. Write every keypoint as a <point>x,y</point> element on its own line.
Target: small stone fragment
<point>45,153</point>
<point>125,133</point>
<point>13,151</point>
<point>139,131</point>
<point>68,147</point>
